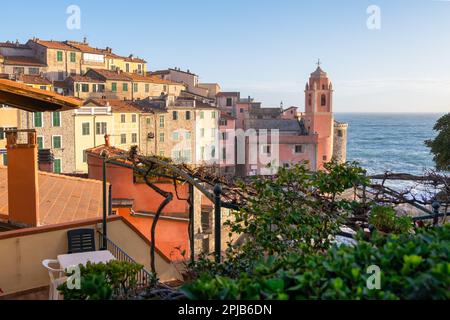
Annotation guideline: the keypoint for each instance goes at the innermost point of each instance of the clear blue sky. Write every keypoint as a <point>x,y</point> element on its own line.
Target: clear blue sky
<point>267,49</point>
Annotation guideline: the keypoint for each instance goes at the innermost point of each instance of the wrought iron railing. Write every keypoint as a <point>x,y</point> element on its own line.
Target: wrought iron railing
<point>143,278</point>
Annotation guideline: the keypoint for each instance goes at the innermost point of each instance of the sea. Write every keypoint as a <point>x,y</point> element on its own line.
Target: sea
<point>394,142</point>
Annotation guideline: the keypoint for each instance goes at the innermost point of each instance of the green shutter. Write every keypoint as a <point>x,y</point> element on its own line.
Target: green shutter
<point>57,166</point>
<point>114,87</point>
<point>73,57</point>
<point>125,87</point>
<point>56,142</point>
<point>40,142</point>
<point>59,56</point>
<point>56,119</point>
<point>5,159</point>
<point>38,119</point>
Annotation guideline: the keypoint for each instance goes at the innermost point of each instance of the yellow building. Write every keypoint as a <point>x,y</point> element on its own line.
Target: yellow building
<point>35,81</point>
<point>92,122</point>
<point>125,131</point>
<point>8,121</point>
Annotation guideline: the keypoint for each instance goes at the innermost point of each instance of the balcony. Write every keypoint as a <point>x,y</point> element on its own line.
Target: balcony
<point>23,276</point>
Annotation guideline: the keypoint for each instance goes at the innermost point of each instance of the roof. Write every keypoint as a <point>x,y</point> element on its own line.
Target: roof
<point>78,78</point>
<point>34,79</point>
<point>109,74</point>
<point>62,198</point>
<point>228,94</point>
<point>319,73</point>
<point>112,151</point>
<point>116,105</point>
<point>23,97</point>
<point>59,45</point>
<point>227,116</point>
<point>84,47</point>
<point>10,44</point>
<point>23,61</point>
<point>265,111</point>
<point>281,124</point>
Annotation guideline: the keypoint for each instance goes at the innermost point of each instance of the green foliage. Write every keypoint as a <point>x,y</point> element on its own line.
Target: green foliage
<point>440,146</point>
<point>297,211</point>
<point>102,281</point>
<point>412,267</point>
<point>385,219</point>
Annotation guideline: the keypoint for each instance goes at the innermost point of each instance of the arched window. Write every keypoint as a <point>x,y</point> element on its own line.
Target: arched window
<point>323,100</point>
<point>310,100</point>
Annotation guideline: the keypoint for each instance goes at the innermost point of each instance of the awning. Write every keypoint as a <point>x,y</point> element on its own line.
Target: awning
<point>23,97</point>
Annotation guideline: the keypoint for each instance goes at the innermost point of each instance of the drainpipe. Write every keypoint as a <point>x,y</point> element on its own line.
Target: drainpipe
<point>105,208</point>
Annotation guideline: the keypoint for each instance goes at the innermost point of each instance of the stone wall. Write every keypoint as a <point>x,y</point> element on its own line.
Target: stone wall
<point>340,142</point>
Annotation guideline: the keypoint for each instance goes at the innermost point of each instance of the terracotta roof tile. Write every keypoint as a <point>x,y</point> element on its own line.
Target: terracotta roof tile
<point>59,45</point>
<point>23,61</point>
<point>115,104</point>
<point>33,79</point>
<point>62,198</point>
<point>78,78</point>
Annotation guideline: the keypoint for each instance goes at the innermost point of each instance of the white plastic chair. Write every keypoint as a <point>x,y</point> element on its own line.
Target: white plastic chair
<point>56,278</point>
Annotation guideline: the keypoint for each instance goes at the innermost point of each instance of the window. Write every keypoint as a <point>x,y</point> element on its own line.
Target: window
<point>224,154</point>
<point>241,110</point>
<point>147,87</point>
<point>123,138</point>
<point>224,136</point>
<point>298,149</point>
<point>187,136</point>
<point>73,57</point>
<point>100,128</point>
<point>2,133</point>
<point>188,115</point>
<point>43,87</point>
<point>323,100</point>
<point>38,121</point>
<point>84,87</point>
<point>123,118</point>
<point>61,75</point>
<point>124,87</point>
<point>229,102</point>
<point>101,88</point>
<point>56,142</point>
<point>213,132</point>
<point>5,159</point>
<point>133,118</point>
<point>202,132</point>
<point>175,115</point>
<point>135,87</point>
<point>340,134</point>
<point>33,70</point>
<point>149,120</point>
<point>266,149</point>
<point>56,119</point>
<point>59,56</point>
<point>324,158</point>
<point>213,115</point>
<point>309,99</point>
<point>223,122</point>
<point>202,115</point>
<point>175,136</point>
<point>202,153</point>
<point>134,138</point>
<point>18,70</point>
<point>40,142</point>
<point>213,152</point>
<point>77,87</point>
<point>323,87</point>
<point>161,137</point>
<point>84,156</point>
<point>57,166</point>
<point>127,67</point>
<point>85,128</point>
<point>114,87</point>
<point>161,121</point>
<point>206,222</point>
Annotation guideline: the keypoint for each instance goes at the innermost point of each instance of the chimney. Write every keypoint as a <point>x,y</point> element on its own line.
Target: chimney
<point>23,189</point>
<point>107,144</point>
<point>85,40</point>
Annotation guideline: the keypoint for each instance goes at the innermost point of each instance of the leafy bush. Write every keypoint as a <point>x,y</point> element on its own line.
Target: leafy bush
<point>412,267</point>
<point>385,219</point>
<point>102,281</point>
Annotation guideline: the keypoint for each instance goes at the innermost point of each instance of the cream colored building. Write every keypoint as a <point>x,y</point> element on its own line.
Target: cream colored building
<point>91,123</point>
<point>8,120</point>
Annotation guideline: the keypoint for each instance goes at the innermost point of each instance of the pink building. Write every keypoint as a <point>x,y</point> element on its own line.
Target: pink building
<point>285,137</point>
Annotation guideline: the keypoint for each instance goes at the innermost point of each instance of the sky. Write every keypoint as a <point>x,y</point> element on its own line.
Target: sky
<point>268,48</point>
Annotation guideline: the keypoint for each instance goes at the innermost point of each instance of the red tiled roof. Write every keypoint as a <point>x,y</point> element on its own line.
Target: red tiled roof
<point>228,94</point>
<point>61,198</point>
<point>84,47</point>
<point>125,76</point>
<point>109,74</point>
<point>115,104</point>
<point>78,78</point>
<point>23,61</point>
<point>33,79</point>
<point>10,44</point>
<point>59,45</point>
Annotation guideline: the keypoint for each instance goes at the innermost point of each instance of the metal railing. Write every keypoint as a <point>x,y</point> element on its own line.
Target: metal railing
<point>143,278</point>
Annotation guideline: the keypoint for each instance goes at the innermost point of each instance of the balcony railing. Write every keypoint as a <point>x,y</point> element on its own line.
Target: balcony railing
<point>143,278</point>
